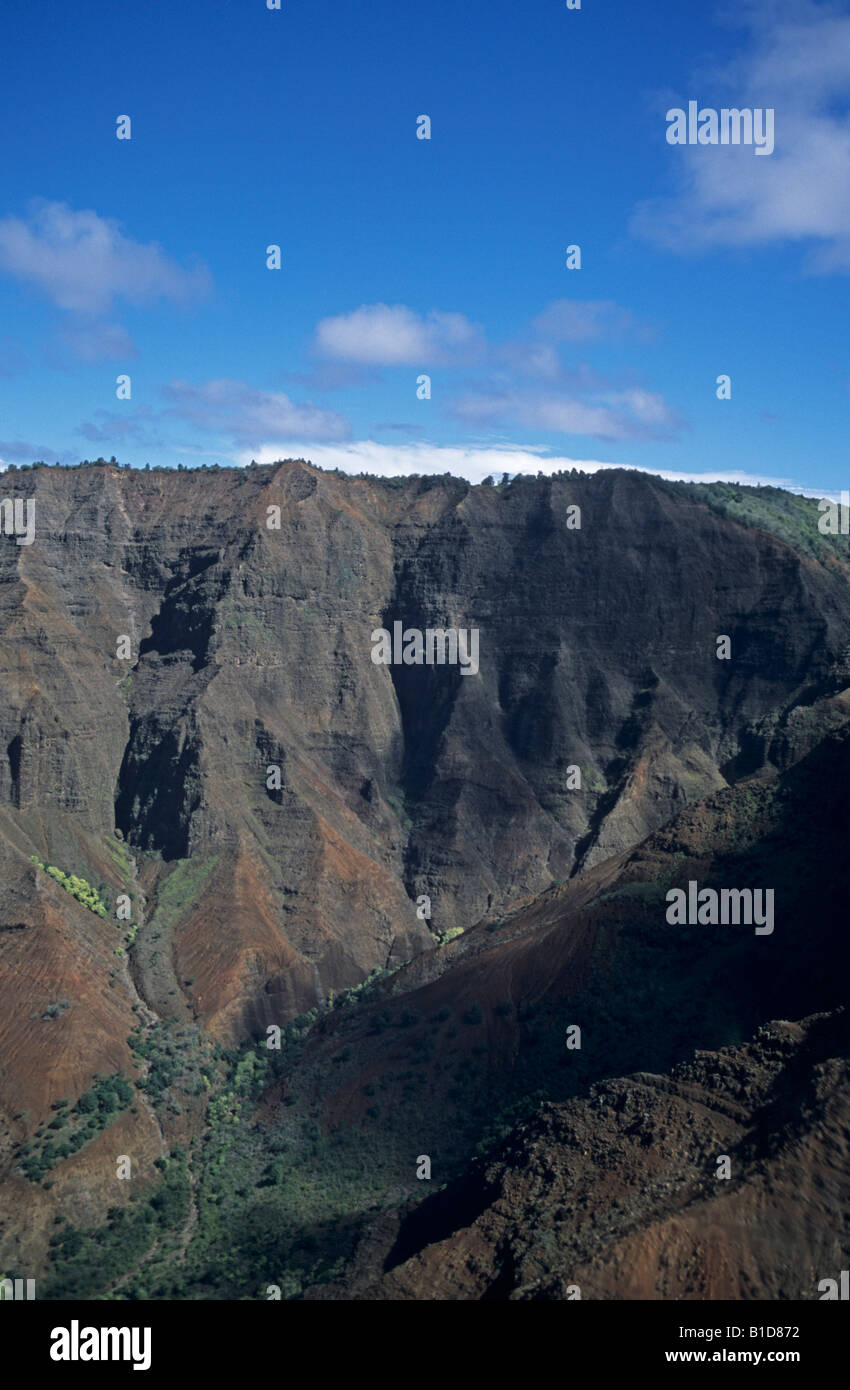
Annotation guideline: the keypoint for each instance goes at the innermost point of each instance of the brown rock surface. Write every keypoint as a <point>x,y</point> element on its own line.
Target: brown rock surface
<point>618,1194</point>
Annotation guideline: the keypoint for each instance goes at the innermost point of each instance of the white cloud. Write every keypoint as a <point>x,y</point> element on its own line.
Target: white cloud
<point>84,262</point>
<point>473,462</point>
<point>624,414</point>
<point>798,63</point>
<point>393,335</point>
<point>548,398</point>
<point>251,416</point>
<point>540,361</point>
<point>476,462</point>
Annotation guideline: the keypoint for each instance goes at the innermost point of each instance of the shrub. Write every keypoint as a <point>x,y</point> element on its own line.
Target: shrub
<point>76,886</point>
<point>58,1007</point>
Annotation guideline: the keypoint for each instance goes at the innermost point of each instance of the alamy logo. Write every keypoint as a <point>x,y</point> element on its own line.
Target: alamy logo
<point>437,646</point>
<point>14,1289</point>
<point>77,1343</point>
<point>728,126</point>
<point>18,518</point>
<point>834,519</point>
<point>706,907</point>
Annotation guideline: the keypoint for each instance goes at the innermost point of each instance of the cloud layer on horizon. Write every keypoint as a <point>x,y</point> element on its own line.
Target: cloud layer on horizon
<point>475,462</point>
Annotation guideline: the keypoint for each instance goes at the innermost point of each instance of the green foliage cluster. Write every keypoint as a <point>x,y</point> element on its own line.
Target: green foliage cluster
<point>304,1021</point>
<point>357,993</point>
<point>113,463</point>
<point>182,887</point>
<point>791,518</point>
<point>120,856</point>
<point>57,1008</point>
<point>76,886</point>
<point>75,1126</point>
<point>87,1262</point>
<point>278,1207</point>
<point>180,1062</point>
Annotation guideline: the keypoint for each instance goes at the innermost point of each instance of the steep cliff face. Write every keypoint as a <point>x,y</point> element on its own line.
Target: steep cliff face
<point>249,647</point>
<point>191,716</point>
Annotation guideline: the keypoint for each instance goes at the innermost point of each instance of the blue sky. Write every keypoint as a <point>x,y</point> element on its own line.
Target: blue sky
<point>445,257</point>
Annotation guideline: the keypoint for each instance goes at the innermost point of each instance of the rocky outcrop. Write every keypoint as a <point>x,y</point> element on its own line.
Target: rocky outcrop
<point>625,1195</point>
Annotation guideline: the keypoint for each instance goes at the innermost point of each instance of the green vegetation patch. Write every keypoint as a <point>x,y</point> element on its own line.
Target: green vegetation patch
<point>120,856</point>
<point>182,887</point>
<point>86,1262</point>
<point>72,1127</point>
<point>180,1062</point>
<point>76,886</point>
<point>791,518</point>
